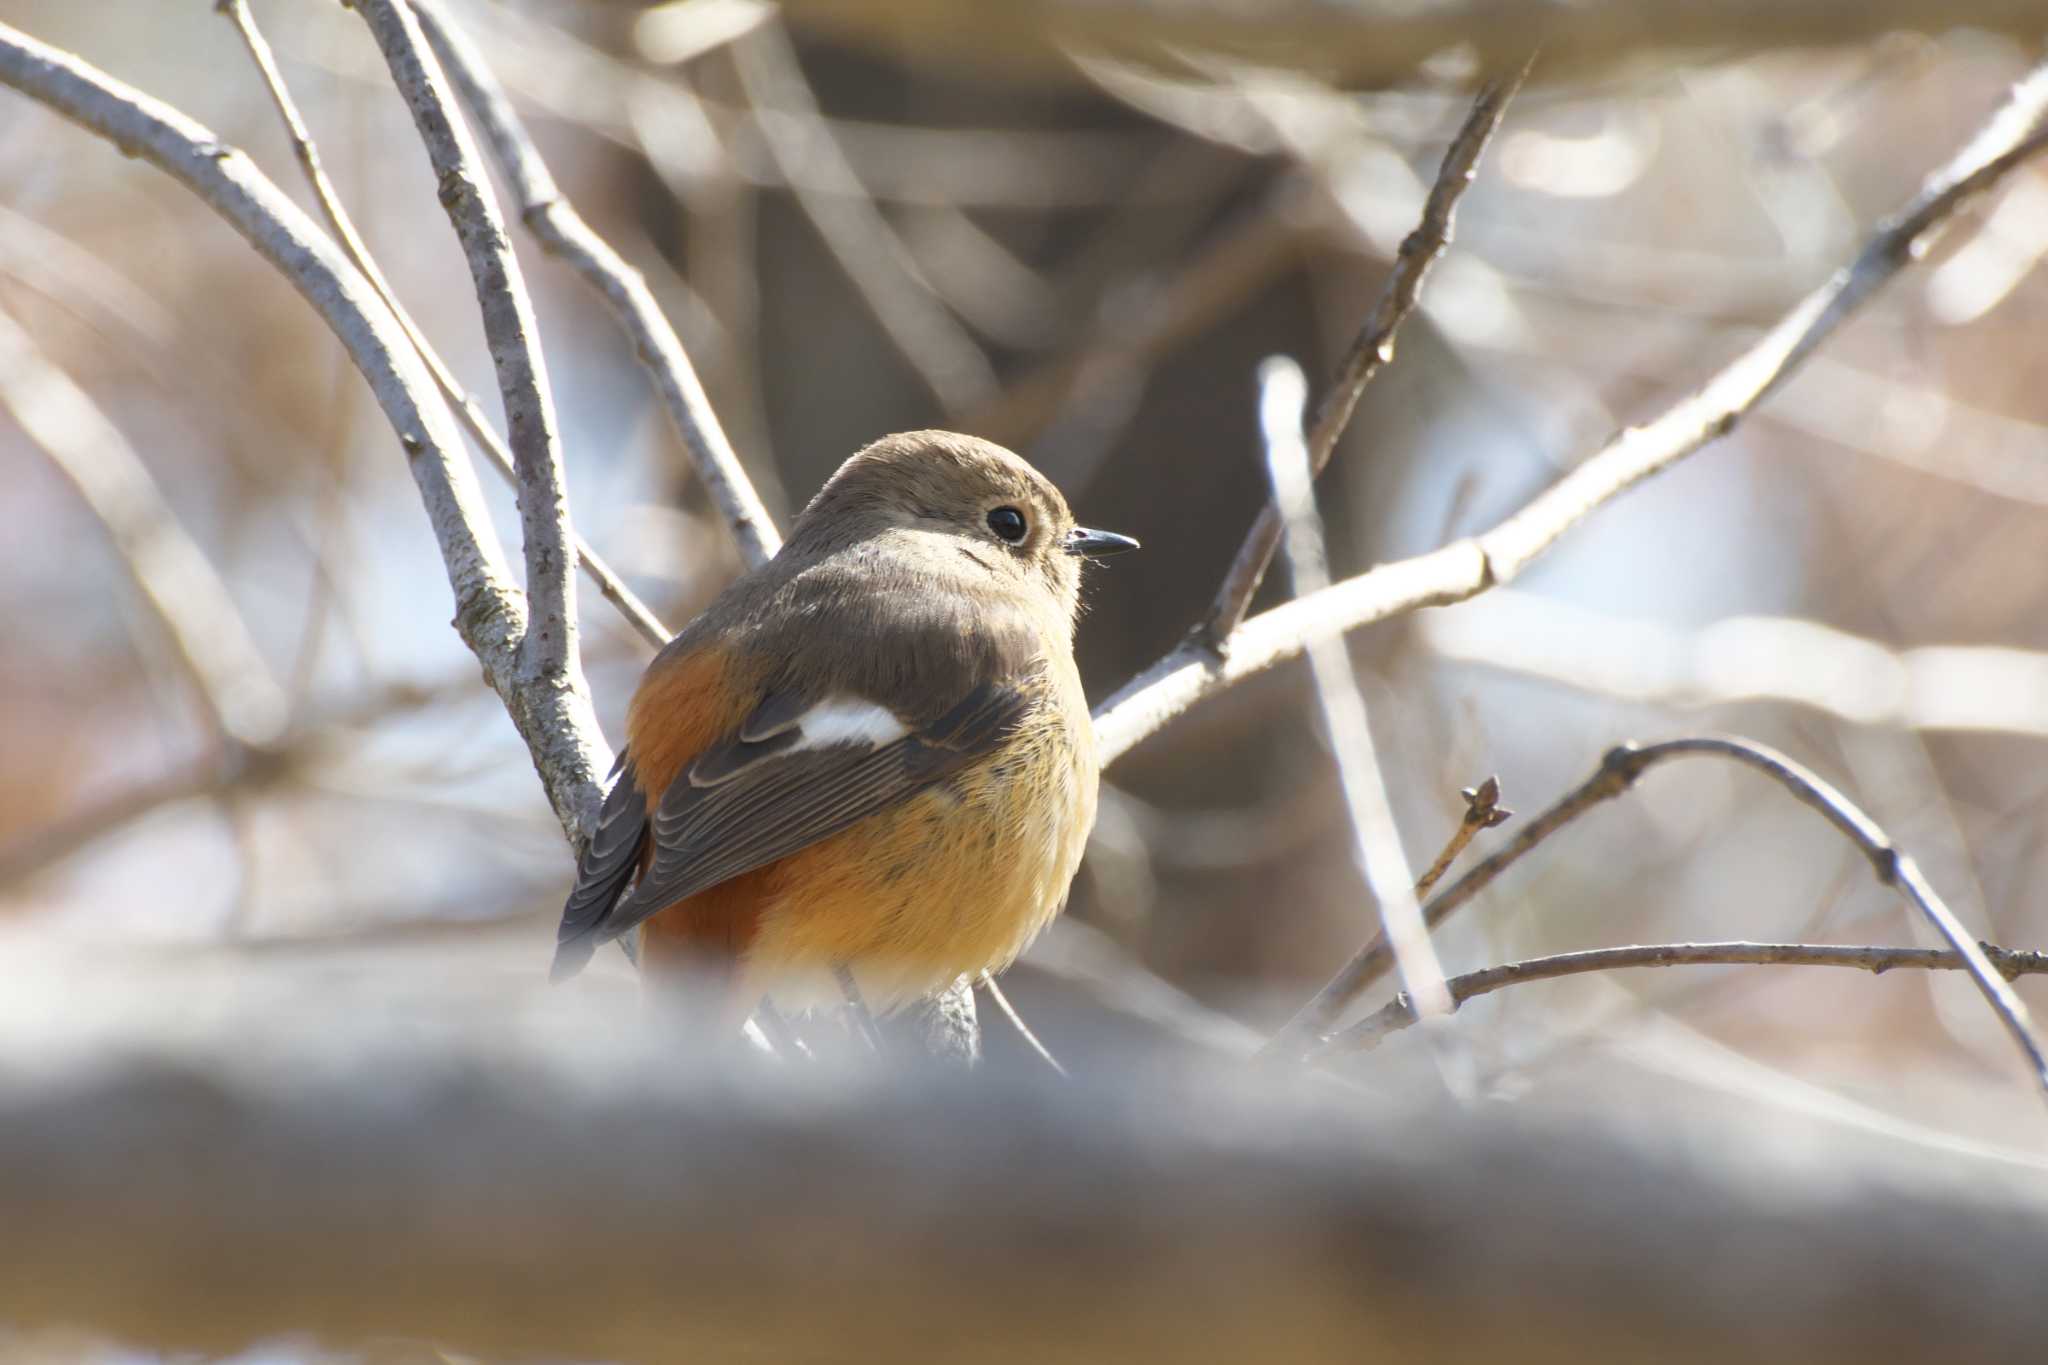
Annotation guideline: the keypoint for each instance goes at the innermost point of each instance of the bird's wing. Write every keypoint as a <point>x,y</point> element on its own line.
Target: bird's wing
<point>607,864</point>
<point>796,771</point>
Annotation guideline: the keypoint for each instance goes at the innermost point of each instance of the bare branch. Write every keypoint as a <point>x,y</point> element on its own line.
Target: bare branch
<point>1749,658</point>
<point>1371,349</point>
<point>1396,1014</point>
<point>548,653</point>
<point>1234,264</point>
<point>844,213</point>
<point>1482,811</point>
<point>213,776</point>
<point>1617,773</point>
<point>1469,567</point>
<point>554,222</point>
<point>1384,42</point>
<point>205,627</point>
<point>490,615</point>
<point>466,408</point>
<point>995,993</point>
<point>568,748</point>
<point>859,1016</point>
<point>1080,956</point>
<point>1376,839</point>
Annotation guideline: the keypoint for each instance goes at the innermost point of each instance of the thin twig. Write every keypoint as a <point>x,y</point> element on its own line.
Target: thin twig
<point>1372,349</point>
<point>1807,663</point>
<point>857,1008</point>
<point>1162,311</point>
<point>177,580</point>
<point>775,1029</point>
<point>859,237</point>
<point>561,231</point>
<point>995,993</point>
<point>465,405</point>
<point>1482,811</point>
<point>1396,1015</point>
<point>1469,567</point>
<point>1376,838</point>
<point>1082,957</point>
<point>1618,772</point>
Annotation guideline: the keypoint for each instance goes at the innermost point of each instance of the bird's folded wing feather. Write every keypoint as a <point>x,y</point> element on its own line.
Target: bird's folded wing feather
<point>797,770</point>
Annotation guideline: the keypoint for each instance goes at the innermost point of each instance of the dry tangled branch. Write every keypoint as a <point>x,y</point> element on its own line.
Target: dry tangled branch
<point>1617,773</point>
<point>1469,567</point>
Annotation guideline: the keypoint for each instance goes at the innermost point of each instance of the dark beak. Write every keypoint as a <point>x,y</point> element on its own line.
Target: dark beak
<point>1096,544</point>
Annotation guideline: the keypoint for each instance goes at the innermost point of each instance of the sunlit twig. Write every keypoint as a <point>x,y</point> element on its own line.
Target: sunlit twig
<point>1469,567</point>
<point>1396,1015</point>
<point>561,231</point>
<point>1376,838</point>
<point>465,405</point>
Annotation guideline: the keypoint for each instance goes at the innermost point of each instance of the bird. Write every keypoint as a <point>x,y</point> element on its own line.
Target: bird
<point>871,756</point>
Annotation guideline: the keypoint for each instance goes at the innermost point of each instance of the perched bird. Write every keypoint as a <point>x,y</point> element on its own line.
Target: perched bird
<point>869,755</point>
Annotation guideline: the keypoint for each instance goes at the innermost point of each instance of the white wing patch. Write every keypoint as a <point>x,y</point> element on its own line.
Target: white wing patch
<point>849,720</point>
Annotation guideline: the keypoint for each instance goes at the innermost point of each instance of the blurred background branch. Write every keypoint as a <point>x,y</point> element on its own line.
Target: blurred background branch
<point>1369,42</point>
<point>198,614</point>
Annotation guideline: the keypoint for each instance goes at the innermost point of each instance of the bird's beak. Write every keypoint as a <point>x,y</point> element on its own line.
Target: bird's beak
<point>1095,544</point>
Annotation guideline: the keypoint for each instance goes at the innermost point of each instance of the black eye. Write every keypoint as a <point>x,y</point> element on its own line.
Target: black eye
<point>1008,523</point>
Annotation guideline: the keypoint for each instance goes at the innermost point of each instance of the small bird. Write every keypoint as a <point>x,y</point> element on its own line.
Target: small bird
<point>870,755</point>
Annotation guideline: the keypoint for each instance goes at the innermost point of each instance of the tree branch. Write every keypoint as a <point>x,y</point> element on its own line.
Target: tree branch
<point>1376,839</point>
<point>1384,42</point>
<point>831,195</point>
<point>1371,350</point>
<point>1617,773</point>
<point>490,615</point>
<point>1397,1014</point>
<point>1787,659</point>
<point>481,431</point>
<point>548,663</point>
<point>561,231</point>
<point>1471,566</point>
<point>207,632</point>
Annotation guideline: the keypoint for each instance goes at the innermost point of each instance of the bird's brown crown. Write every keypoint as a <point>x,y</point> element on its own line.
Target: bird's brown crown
<point>1006,516</point>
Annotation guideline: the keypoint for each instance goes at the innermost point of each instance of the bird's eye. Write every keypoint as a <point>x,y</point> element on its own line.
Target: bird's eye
<point>1008,524</point>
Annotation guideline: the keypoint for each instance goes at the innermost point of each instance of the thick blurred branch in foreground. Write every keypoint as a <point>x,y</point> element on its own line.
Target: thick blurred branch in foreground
<point>421,1154</point>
